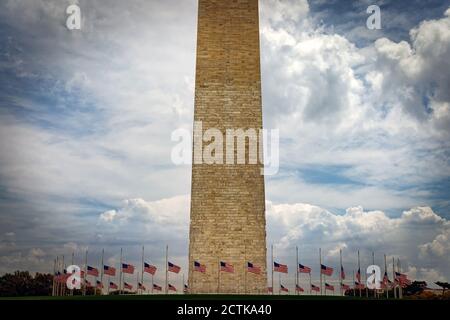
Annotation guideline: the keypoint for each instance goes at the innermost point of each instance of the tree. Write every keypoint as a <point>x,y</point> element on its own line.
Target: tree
<point>443,285</point>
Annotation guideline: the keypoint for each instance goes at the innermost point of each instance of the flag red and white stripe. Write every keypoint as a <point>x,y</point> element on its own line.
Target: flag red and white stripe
<point>173,267</point>
<point>298,288</point>
<point>112,285</point>
<point>226,267</point>
<point>156,287</point>
<point>278,267</point>
<point>172,288</point>
<point>149,268</point>
<point>127,268</point>
<point>110,271</point>
<point>328,271</point>
<point>253,268</point>
<point>127,286</point>
<point>283,288</point>
<point>329,287</point>
<point>92,271</point>
<point>315,288</point>
<point>303,269</point>
<point>199,267</point>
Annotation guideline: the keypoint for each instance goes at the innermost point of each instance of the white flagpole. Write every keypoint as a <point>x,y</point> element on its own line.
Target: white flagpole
<point>360,273</point>
<point>273,289</point>
<point>54,278</point>
<point>400,289</point>
<point>320,269</point>
<point>354,291</point>
<point>120,272</point>
<point>296,269</point>
<point>85,273</point>
<point>137,282</point>
<point>101,272</point>
<point>142,275</point>
<point>340,271</point>
<point>167,271</point>
<point>387,283</point>
<point>73,255</point>
<point>393,278</point>
<point>62,282</point>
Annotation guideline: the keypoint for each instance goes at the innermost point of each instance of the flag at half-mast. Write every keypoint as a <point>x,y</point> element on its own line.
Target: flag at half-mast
<point>172,288</point>
<point>315,288</point>
<point>112,285</point>
<point>149,268</point>
<point>329,287</point>
<point>283,288</point>
<point>358,275</point>
<point>92,271</point>
<point>328,271</point>
<point>156,287</point>
<point>173,267</point>
<point>127,268</point>
<point>99,284</point>
<point>278,267</point>
<point>269,289</point>
<point>186,288</point>
<point>127,286</point>
<point>303,269</point>
<point>342,272</point>
<point>345,287</point>
<point>226,267</point>
<point>253,268</point>
<point>141,286</point>
<point>358,285</point>
<point>298,288</point>
<point>110,271</point>
<point>199,267</point>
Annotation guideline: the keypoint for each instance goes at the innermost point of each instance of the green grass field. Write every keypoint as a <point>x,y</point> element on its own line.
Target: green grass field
<point>186,297</point>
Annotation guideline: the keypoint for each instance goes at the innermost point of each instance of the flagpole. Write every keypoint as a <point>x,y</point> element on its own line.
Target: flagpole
<point>393,277</point>
<point>184,291</point>
<point>310,283</point>
<point>73,254</point>
<point>354,291</point>
<point>218,275</point>
<point>152,284</point>
<point>54,277</point>
<point>57,282</point>
<point>320,269</point>
<point>279,283</point>
<point>359,280</point>
<point>400,289</point>
<point>387,282</point>
<point>109,280</point>
<point>62,282</point>
<point>120,272</point>
<point>296,269</point>
<point>340,271</point>
<point>245,269</point>
<point>365,281</point>
<point>273,289</point>
<point>85,272</point>
<point>375,293</point>
<point>167,272</point>
<point>101,272</point>
<point>137,282</point>
<point>142,275</point>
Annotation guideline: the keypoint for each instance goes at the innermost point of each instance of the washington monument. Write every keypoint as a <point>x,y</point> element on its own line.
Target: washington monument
<point>227,220</point>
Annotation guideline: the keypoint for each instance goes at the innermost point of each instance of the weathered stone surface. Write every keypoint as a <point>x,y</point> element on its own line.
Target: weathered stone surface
<point>227,201</point>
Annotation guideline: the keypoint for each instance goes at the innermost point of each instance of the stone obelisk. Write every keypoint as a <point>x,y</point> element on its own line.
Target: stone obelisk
<point>227,221</point>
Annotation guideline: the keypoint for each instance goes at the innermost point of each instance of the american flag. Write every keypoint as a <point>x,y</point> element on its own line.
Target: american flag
<point>278,267</point>
<point>110,271</point>
<point>88,284</point>
<point>269,289</point>
<point>342,272</point>
<point>127,268</point>
<point>326,270</point>
<point>329,287</point>
<point>385,278</point>
<point>92,271</point>
<point>303,269</point>
<point>112,285</point>
<point>173,267</point>
<point>283,288</point>
<point>358,275</point>
<point>186,288</point>
<point>298,288</point>
<point>127,286</point>
<point>345,287</point>
<point>141,286</point>
<point>226,267</point>
<point>172,288</point>
<point>99,284</point>
<point>315,288</point>
<point>156,287</point>
<point>149,268</point>
<point>199,267</point>
<point>358,285</point>
<point>252,268</point>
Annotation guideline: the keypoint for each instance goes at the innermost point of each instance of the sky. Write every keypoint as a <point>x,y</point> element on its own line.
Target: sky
<point>86,118</point>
